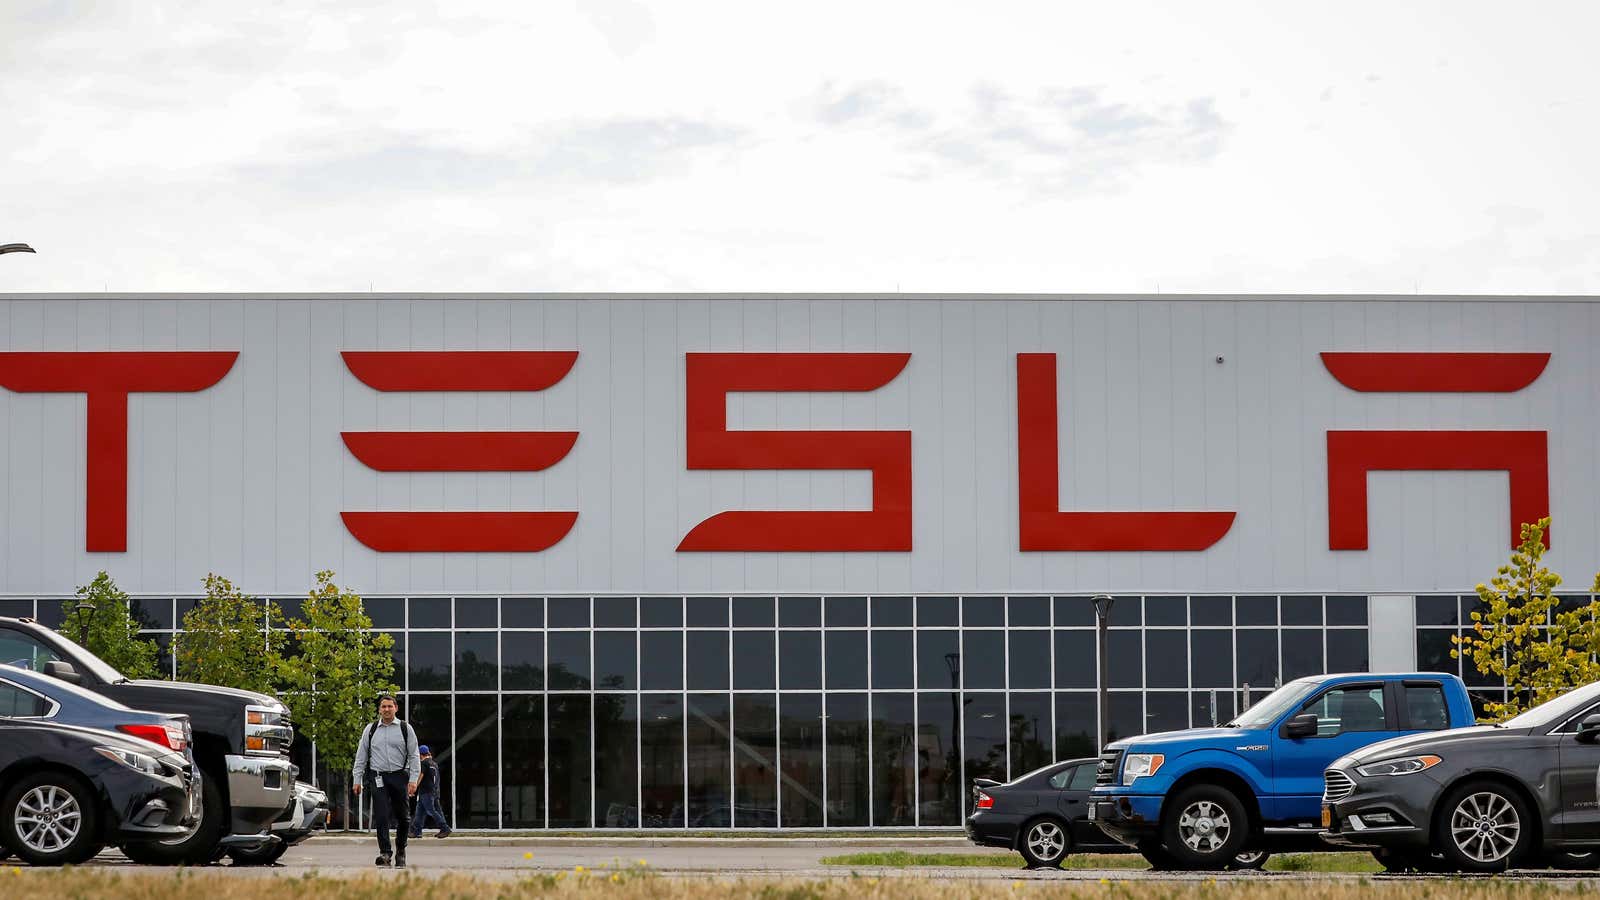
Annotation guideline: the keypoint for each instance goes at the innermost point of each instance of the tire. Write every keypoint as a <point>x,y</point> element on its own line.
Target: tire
<point>1250,860</point>
<point>1157,856</point>
<point>50,819</point>
<point>263,857</point>
<point>1205,827</point>
<point>1483,826</point>
<point>1044,843</point>
<point>200,848</point>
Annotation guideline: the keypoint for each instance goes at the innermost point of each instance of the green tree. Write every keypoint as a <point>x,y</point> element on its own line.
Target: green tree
<point>223,640</point>
<point>1524,637</point>
<point>112,633</point>
<point>333,672</point>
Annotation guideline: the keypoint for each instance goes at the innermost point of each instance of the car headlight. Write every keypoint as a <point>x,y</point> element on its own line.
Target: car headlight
<point>137,761</point>
<point>1137,765</point>
<point>1405,765</point>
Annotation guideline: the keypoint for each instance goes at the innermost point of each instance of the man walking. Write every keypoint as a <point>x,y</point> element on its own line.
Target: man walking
<point>388,759</point>
<point>428,798</point>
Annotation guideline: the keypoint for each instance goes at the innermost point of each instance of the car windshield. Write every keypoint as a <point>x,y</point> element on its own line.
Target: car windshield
<point>102,669</point>
<point>1274,704</point>
<point>1556,711</point>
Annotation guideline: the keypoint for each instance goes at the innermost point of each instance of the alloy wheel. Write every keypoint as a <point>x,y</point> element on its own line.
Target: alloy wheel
<point>1204,826</point>
<point>1046,840</point>
<point>1485,827</point>
<point>48,818</point>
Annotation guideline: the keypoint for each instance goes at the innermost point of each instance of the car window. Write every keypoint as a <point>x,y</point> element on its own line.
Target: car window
<point>1082,778</point>
<point>24,652</point>
<point>17,703</point>
<point>1347,710</point>
<point>1571,725</point>
<point>1426,707</point>
<point>1060,779</point>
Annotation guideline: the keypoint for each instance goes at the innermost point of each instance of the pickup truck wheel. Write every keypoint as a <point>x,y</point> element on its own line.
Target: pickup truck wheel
<point>199,848</point>
<point>1566,859</point>
<point>50,819</point>
<point>1045,843</point>
<point>1483,827</point>
<point>1157,856</point>
<point>1205,827</point>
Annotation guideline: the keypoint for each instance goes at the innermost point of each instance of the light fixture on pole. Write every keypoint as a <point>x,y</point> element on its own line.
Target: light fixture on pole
<point>1102,612</point>
<point>16,248</point>
<point>85,611</point>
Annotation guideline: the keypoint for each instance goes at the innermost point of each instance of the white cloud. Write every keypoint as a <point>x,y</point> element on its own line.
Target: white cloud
<point>613,145</point>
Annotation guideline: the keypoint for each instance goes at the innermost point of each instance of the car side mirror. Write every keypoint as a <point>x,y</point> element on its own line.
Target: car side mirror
<point>60,669</point>
<point>1301,726</point>
<point>1589,729</point>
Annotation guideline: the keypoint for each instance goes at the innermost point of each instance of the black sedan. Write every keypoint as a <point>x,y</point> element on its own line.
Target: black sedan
<point>1043,815</point>
<point>69,791</point>
<point>1476,799</point>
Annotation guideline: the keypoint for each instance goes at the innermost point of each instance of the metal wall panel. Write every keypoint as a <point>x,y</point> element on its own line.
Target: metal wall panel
<point>247,478</point>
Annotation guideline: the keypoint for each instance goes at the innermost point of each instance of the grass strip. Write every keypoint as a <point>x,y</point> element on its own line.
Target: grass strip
<point>900,859</point>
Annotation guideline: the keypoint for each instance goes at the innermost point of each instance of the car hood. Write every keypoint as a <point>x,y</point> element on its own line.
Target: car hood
<point>1421,743</point>
<point>1191,739</point>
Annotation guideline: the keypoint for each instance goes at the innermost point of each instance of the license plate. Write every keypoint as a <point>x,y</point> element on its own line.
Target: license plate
<point>1327,817</point>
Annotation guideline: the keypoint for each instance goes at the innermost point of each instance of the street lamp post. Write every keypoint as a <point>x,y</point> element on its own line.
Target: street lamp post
<point>1102,611</point>
<point>16,248</point>
<point>85,611</point>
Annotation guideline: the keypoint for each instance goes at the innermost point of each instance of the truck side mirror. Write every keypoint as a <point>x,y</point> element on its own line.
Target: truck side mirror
<point>1301,726</point>
<point>1589,729</point>
<point>63,670</point>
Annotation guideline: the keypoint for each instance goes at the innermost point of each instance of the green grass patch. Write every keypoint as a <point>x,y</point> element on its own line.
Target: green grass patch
<point>901,859</point>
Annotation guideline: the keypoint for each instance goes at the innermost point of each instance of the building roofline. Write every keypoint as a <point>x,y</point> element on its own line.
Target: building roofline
<point>803,295</point>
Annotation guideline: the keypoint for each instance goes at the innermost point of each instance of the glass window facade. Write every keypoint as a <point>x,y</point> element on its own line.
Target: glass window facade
<point>816,711</point>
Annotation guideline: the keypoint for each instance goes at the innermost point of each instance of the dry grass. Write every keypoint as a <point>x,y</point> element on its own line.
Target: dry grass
<point>637,884</point>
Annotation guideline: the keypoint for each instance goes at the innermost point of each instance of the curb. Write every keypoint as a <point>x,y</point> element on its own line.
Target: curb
<point>477,841</point>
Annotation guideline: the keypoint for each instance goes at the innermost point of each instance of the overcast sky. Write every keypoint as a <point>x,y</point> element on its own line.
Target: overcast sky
<point>612,145</point>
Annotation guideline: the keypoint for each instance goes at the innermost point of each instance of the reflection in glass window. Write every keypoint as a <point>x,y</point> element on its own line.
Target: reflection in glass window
<point>799,612</point>
<point>1030,732</point>
<point>1076,725</point>
<point>983,659</point>
<point>1075,659</point>
<point>1433,650</point>
<point>477,661</point>
<point>429,717</point>
<point>1125,717</point>
<point>569,612</point>
<point>846,659</point>
<point>983,612</point>
<point>1028,612</point>
<point>522,612</point>
<point>938,658</point>
<point>1425,707</point>
<point>524,660</point>
<point>891,612</point>
<point>385,612</point>
<point>933,612</point>
<point>661,760</point>
<point>1258,657</point>
<point>706,612</point>
<point>710,793</point>
<point>844,612</point>
<point>1030,659</point>
<point>894,759</point>
<point>522,773</point>
<point>1166,711</point>
<point>1170,611</point>
<point>848,768</point>
<point>614,660</point>
<point>614,612</point>
<point>1347,650</point>
<point>753,612</point>
<point>1166,659</point>
<point>1301,610</point>
<point>983,740</point>
<point>429,660</point>
<point>755,760</point>
<point>1126,649</point>
<point>754,663</point>
<point>800,734</point>
<point>1210,611</point>
<point>570,791</point>
<point>569,660</point>
<point>1347,610</point>
<point>891,659</point>
<point>616,764</point>
<point>430,612</point>
<point>707,656</point>
<point>661,612</point>
<point>477,612</point>
<point>800,660</point>
<point>476,752</point>
<point>661,660</point>
<point>939,758</point>
<point>1302,653</point>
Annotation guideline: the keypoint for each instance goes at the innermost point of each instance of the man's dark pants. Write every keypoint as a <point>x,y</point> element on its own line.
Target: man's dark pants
<point>428,808</point>
<point>390,799</point>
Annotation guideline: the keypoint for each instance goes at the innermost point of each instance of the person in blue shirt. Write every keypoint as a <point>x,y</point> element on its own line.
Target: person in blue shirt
<point>428,798</point>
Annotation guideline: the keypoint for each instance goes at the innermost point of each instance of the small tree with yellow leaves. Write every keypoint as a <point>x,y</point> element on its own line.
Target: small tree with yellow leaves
<point>1524,637</point>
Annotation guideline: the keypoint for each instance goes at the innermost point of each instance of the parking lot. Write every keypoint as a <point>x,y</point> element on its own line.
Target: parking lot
<point>748,858</point>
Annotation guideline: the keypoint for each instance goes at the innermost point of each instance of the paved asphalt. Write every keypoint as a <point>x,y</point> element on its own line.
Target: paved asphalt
<point>695,857</point>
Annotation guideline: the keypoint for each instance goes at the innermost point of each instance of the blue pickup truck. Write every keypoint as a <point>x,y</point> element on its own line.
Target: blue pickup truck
<point>1196,799</point>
